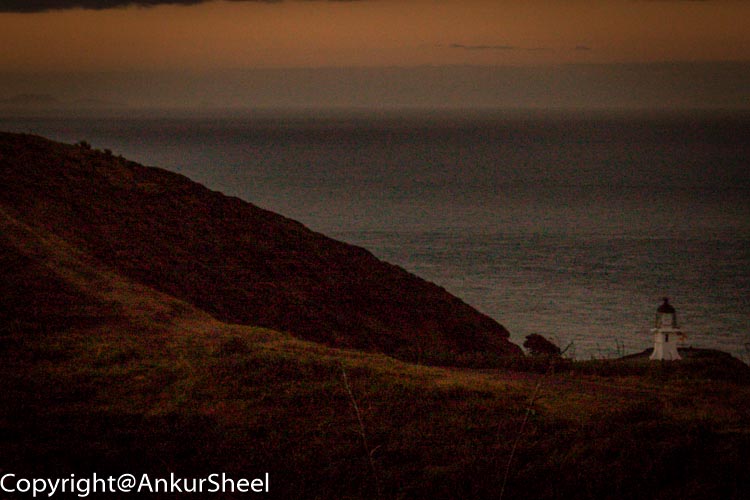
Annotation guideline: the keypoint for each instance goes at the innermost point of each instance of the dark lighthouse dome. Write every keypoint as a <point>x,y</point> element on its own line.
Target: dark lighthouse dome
<point>666,307</point>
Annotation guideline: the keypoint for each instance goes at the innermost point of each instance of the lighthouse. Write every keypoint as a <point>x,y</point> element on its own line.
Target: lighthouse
<point>666,333</point>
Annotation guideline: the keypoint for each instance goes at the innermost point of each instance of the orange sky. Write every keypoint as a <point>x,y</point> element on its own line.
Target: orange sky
<point>375,33</point>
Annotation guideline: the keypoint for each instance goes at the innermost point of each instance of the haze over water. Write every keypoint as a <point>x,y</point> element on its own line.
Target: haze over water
<point>571,226</point>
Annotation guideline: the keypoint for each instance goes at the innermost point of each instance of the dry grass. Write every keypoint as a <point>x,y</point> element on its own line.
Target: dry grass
<point>159,386</point>
<point>195,395</point>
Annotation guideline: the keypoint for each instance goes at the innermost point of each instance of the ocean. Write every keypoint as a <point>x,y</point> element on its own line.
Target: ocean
<point>570,225</point>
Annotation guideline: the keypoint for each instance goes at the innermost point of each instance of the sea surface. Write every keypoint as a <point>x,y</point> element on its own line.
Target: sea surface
<point>573,226</point>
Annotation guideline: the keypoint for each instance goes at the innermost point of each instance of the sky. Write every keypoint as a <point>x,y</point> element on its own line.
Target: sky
<point>70,38</point>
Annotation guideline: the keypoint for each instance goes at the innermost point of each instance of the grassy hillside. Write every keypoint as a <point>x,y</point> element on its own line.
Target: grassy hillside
<point>238,262</point>
<point>113,376</point>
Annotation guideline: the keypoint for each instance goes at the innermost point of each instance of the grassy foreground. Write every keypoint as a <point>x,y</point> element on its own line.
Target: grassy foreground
<point>193,396</point>
<point>119,378</point>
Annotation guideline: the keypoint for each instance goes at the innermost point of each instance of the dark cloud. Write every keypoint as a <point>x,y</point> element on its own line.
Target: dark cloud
<point>482,47</point>
<point>45,5</point>
<point>497,47</point>
<point>28,6</point>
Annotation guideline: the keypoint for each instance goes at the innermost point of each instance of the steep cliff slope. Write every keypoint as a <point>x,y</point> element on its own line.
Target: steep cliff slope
<point>238,262</point>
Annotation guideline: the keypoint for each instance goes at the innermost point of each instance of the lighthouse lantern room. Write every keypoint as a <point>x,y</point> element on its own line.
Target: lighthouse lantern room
<point>667,333</point>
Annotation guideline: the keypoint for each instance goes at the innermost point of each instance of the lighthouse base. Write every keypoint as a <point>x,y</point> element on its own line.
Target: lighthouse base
<point>665,345</point>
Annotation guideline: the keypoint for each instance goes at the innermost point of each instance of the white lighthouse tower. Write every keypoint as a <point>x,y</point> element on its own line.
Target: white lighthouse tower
<point>666,333</point>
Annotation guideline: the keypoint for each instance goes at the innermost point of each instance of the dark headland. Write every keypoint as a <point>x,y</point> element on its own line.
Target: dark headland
<point>150,326</point>
<point>238,262</point>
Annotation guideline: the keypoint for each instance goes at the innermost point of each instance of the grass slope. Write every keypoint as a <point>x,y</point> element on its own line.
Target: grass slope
<point>240,263</point>
<point>138,381</point>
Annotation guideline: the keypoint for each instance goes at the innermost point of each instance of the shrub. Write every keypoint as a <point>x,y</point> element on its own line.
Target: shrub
<point>540,346</point>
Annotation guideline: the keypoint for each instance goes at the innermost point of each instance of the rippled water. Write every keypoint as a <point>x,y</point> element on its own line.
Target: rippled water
<point>569,226</point>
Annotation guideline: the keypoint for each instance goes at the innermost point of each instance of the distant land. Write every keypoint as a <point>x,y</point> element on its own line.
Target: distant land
<point>44,104</point>
<point>645,86</point>
<point>30,101</point>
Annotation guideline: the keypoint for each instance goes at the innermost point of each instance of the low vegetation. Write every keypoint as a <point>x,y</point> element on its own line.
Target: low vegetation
<point>161,388</point>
